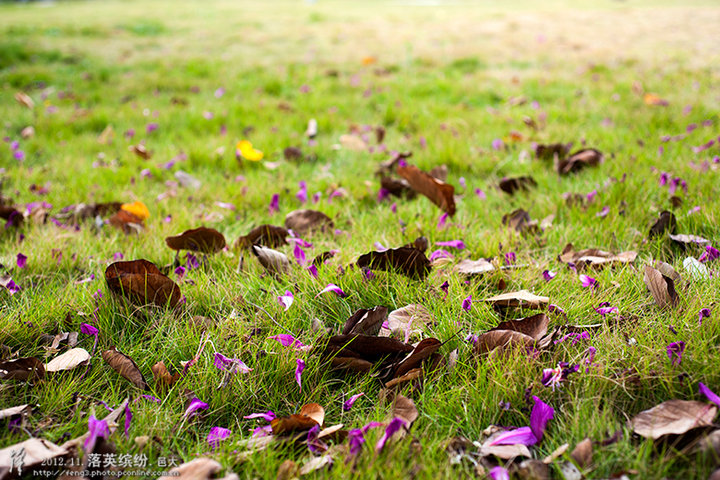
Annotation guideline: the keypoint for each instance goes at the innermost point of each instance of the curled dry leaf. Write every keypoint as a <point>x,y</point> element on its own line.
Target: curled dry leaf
<point>688,240</point>
<point>661,287</point>
<point>273,261</point>
<point>518,220</point>
<point>202,468</point>
<point>351,363</point>
<point>594,257</point>
<point>127,222</point>
<point>140,151</point>
<point>424,350</point>
<point>409,261</point>
<point>405,408</point>
<point>673,417</point>
<point>587,157</point>
<point>27,368</point>
<point>514,184</point>
<point>440,172</point>
<point>310,415</point>
<point>474,267</point>
<point>141,282</point>
<point>303,221</point>
<point>201,239</point>
<point>323,257</point>
<point>388,166</point>
<point>266,235</point>
<point>534,327</point>
<point>366,347</point>
<point>666,223</point>
<point>125,366</point>
<point>502,339</point>
<point>398,187</point>
<point>550,151</point>
<point>520,298</point>
<point>407,321</point>
<point>68,360</point>
<point>365,321</point>
<point>162,375</point>
<point>24,99</point>
<point>440,193</point>
<point>19,410</point>
<point>582,453</point>
<point>35,451</point>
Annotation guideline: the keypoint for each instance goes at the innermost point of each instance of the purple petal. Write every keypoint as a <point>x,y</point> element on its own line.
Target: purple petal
<point>180,272</point>
<point>21,260</point>
<point>356,439</point>
<point>96,429</point>
<point>459,244</point>
<point>298,371</point>
<point>480,194</point>
<point>675,352</point>
<point>128,419</point>
<point>10,285</point>
<point>191,261</point>
<point>709,394</point>
<point>267,416</point>
<point>467,303</point>
<point>216,435</point>
<point>445,287</point>
<point>518,436</point>
<point>604,310</point>
<point>286,300</point>
<point>332,288</point>
<point>602,213</point>
<point>394,426</point>
<point>313,270</point>
<point>274,204</point>
<point>510,258</point>
<point>299,254</point>
<point>287,340</point>
<point>710,253</point>
<point>88,329</point>
<point>540,415</point>
<point>555,308</point>
<point>232,365</point>
<point>549,275</point>
<point>440,254</point>
<point>499,473</point>
<point>442,221</point>
<point>588,281</point>
<point>195,405</point>
<point>150,397</point>
<point>349,402</point>
<point>703,313</point>
<point>497,144</point>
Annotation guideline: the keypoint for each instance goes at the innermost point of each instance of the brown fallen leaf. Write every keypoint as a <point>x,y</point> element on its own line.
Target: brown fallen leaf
<point>304,221</point>
<point>365,321</point>
<point>68,360</point>
<point>366,347</point>
<point>474,267</point>
<point>440,193</point>
<point>388,166</point>
<point>35,451</point>
<point>125,366</point>
<point>265,235</point>
<point>273,261</point>
<point>587,157</point>
<point>550,151</point>
<point>201,239</point>
<point>514,184</point>
<point>24,99</point>
<point>503,340</point>
<point>661,287</point>
<point>398,187</point>
<point>162,375</point>
<point>310,415</point>
<point>582,453</point>
<point>140,151</point>
<point>688,240</point>
<point>407,322</point>
<point>127,222</point>
<point>292,153</point>
<point>27,368</point>
<point>533,470</point>
<point>424,350</point>
<point>405,408</point>
<point>673,417</point>
<point>440,172</point>
<point>534,327</point>
<point>665,223</point>
<point>518,220</point>
<point>594,257</point>
<point>408,261</point>
<point>141,282</point>
<point>11,215</point>
<point>12,411</point>
<point>353,142</point>
<point>351,363</point>
<point>520,298</point>
<point>288,470</point>
<point>202,468</point>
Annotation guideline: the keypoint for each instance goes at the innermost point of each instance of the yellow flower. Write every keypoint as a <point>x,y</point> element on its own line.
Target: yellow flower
<point>247,151</point>
<point>138,209</point>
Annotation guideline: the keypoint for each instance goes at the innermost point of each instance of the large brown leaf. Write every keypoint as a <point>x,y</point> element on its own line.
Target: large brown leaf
<point>267,235</point>
<point>502,339</point>
<point>440,193</point>
<point>474,267</point>
<point>365,321</point>
<point>550,151</point>
<point>594,257</point>
<point>518,220</point>
<point>127,222</point>
<point>28,368</point>
<point>35,451</point>
<point>201,239</point>
<point>125,366</point>
<point>514,184</point>
<point>521,298</point>
<point>141,282</point>
<point>366,347</point>
<point>661,287</point>
<point>407,321</point>
<point>310,415</point>
<point>398,187</point>
<point>673,417</point>
<point>273,261</point>
<point>588,157</point>
<point>534,327</point>
<point>68,360</point>
<point>162,376</point>
<point>424,350</point>
<point>303,221</point>
<point>666,223</point>
<point>409,261</point>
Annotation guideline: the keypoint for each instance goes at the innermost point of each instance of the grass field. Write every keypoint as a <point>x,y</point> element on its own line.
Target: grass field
<point>470,85</point>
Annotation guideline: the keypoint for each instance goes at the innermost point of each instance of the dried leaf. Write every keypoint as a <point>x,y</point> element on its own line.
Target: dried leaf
<point>512,185</point>
<point>518,220</point>
<point>12,411</point>
<point>303,221</point>
<point>366,347</point>
<point>502,339</point>
<point>688,240</point>
<point>36,451</point>
<point>440,193</point>
<point>582,453</point>
<point>474,267</point>
<point>273,261</point>
<point>141,282</point>
<point>68,360</point>
<point>534,327</point>
<point>594,257</point>
<point>162,375</point>
<point>673,417</point>
<point>407,321</point>
<point>125,366</point>
<point>440,172</point>
<point>310,415</point>
<point>505,452</point>
<point>533,470</point>
<point>266,235</point>
<point>202,239</point>
<point>351,363</point>
<point>405,408</point>
<point>202,468</point>
<point>127,222</point>
<point>424,350</point>
<point>550,151</point>
<point>140,151</point>
<point>521,298</point>
<point>365,321</point>
<point>388,166</point>
<point>661,287</point>
<point>28,368</point>
<point>398,187</point>
<point>588,157</point>
<point>665,223</point>
<point>353,142</point>
<point>408,261</point>
<point>25,100</point>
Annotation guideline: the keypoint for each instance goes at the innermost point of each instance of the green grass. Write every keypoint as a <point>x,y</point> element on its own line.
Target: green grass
<point>441,87</point>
